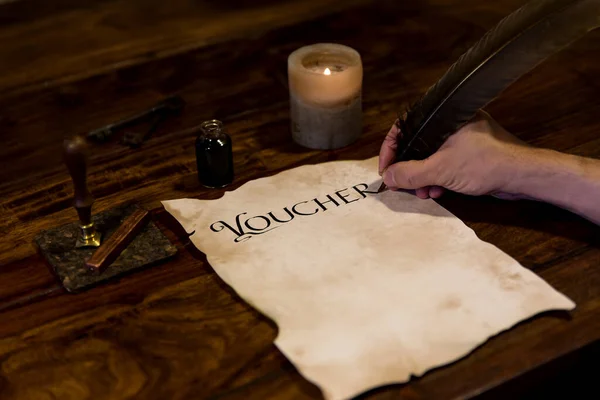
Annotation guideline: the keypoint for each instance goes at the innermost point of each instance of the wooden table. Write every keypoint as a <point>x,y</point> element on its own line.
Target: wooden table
<point>176,331</point>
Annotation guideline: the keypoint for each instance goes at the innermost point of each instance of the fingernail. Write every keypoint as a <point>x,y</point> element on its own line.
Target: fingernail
<point>388,178</point>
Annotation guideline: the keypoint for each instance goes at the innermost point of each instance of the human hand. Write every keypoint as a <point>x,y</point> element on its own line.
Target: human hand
<point>480,158</point>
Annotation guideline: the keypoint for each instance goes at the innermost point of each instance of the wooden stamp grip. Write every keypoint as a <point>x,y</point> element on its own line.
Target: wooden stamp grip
<point>76,153</point>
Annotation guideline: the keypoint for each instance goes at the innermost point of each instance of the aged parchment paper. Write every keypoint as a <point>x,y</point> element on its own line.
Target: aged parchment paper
<point>366,288</point>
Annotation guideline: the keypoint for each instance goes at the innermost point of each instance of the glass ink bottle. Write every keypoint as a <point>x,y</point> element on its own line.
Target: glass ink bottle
<point>214,156</point>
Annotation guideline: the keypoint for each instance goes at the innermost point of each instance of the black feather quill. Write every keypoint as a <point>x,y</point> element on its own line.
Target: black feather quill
<point>516,45</point>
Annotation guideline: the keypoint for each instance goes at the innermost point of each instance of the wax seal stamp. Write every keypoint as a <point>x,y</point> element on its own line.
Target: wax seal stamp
<point>76,157</point>
<point>74,252</point>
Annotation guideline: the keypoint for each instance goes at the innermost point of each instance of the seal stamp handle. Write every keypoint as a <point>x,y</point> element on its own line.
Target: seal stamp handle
<point>76,154</point>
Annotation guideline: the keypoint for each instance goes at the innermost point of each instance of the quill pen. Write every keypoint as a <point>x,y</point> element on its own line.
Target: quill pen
<point>513,47</point>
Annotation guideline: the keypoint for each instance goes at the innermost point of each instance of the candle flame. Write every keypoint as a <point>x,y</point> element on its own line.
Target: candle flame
<point>327,71</point>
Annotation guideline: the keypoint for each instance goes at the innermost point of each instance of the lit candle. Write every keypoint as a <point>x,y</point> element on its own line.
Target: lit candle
<point>325,82</point>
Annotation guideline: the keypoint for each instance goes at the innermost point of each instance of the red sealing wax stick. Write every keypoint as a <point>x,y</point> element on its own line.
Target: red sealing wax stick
<point>112,247</point>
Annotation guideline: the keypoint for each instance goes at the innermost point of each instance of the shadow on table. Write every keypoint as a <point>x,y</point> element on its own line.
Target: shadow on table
<point>530,215</point>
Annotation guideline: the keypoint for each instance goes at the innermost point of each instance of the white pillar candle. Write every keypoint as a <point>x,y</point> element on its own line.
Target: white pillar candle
<point>325,83</point>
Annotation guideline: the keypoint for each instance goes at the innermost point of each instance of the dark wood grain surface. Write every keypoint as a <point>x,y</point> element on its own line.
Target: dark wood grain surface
<point>176,331</point>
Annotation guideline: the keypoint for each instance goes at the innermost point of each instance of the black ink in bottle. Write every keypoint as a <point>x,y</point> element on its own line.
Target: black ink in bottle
<point>214,155</point>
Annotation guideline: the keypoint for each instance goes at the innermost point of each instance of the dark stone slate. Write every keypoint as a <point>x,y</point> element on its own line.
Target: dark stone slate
<point>57,245</point>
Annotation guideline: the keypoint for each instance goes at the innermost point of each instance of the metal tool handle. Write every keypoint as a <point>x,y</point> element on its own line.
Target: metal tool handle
<point>76,154</point>
<point>169,106</point>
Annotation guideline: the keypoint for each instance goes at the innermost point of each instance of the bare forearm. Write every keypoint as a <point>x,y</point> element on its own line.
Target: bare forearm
<point>482,158</point>
<point>565,180</point>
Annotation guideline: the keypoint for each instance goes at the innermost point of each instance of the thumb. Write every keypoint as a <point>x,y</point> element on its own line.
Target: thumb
<point>412,174</point>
